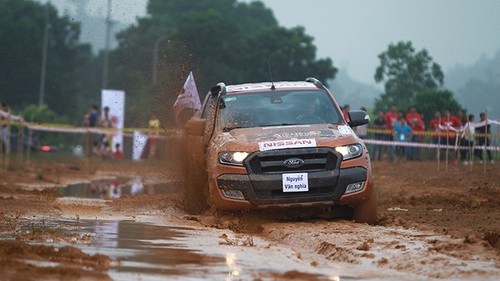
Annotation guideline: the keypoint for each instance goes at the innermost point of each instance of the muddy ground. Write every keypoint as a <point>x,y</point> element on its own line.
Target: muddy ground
<point>432,224</point>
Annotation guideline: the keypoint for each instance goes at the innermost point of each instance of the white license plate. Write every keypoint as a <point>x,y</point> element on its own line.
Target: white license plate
<point>295,182</point>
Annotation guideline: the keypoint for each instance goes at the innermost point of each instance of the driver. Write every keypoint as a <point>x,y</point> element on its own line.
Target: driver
<point>309,114</point>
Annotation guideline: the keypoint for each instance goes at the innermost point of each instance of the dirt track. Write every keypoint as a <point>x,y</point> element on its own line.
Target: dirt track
<point>431,224</point>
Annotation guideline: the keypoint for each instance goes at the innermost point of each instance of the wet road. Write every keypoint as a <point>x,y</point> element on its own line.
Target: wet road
<point>151,252</point>
<point>160,249</point>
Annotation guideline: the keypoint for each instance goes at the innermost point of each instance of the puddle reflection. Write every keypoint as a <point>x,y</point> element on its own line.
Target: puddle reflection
<point>115,188</point>
<point>148,250</point>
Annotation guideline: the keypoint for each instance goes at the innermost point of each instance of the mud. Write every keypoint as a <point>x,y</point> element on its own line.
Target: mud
<point>432,225</point>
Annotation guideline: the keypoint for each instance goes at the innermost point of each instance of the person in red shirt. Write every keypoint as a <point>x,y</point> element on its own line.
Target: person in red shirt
<point>391,118</point>
<point>413,119</point>
<point>434,127</point>
<point>461,117</point>
<point>450,122</point>
<point>118,154</point>
<point>345,111</point>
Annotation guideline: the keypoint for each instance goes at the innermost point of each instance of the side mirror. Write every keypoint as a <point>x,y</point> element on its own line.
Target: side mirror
<point>195,127</point>
<point>358,118</point>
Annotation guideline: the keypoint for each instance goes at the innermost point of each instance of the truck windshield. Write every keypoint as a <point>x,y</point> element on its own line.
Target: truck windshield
<point>277,108</point>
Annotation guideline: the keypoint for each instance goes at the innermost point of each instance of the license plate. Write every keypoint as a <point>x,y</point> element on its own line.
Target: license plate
<point>295,182</point>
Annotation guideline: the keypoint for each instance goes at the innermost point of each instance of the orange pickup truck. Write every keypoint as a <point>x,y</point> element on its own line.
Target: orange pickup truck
<point>277,145</point>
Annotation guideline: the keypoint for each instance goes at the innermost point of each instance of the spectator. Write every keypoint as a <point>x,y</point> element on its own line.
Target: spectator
<point>5,118</point>
<point>93,117</point>
<point>105,122</point>
<point>96,149</point>
<point>450,124</point>
<point>402,133</point>
<point>345,111</point>
<point>154,133</point>
<point>391,118</point>
<point>118,154</point>
<point>379,124</point>
<point>106,150</point>
<point>483,140</point>
<point>468,141</point>
<point>414,120</point>
<point>434,127</point>
<point>461,117</point>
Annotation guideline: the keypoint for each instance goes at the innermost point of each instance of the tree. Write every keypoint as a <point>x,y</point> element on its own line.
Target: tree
<point>219,40</point>
<point>291,53</point>
<point>405,73</point>
<point>21,31</point>
<point>430,101</point>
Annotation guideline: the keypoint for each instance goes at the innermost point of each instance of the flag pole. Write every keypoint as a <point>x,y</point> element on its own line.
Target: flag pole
<point>485,152</point>
<point>439,144</point>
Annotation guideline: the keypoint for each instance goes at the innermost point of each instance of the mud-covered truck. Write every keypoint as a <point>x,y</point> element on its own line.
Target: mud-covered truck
<point>277,145</point>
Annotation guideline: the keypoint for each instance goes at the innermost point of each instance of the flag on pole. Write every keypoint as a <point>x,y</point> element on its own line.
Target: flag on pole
<point>188,97</point>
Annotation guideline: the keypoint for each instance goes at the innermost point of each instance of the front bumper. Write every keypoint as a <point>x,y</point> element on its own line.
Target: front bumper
<point>261,190</point>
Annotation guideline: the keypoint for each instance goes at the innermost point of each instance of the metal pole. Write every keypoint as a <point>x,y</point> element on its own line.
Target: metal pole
<point>105,69</point>
<point>156,49</point>
<point>439,144</point>
<point>43,71</point>
<point>485,152</point>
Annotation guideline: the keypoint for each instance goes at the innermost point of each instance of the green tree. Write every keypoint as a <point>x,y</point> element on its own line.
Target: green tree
<point>430,101</point>
<point>406,72</point>
<point>291,53</point>
<point>219,40</point>
<point>21,35</point>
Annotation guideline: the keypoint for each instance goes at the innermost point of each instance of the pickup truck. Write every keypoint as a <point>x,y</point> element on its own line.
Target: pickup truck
<point>277,145</point>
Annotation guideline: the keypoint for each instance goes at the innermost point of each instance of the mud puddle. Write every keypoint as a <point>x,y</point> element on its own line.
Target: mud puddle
<point>147,251</point>
<point>152,252</point>
<point>114,188</point>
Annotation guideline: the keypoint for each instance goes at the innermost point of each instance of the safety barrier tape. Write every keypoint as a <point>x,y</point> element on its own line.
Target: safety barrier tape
<point>427,145</point>
<point>63,128</point>
<point>431,133</point>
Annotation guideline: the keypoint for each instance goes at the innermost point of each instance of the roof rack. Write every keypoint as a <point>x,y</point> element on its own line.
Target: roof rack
<point>316,82</point>
<point>219,89</point>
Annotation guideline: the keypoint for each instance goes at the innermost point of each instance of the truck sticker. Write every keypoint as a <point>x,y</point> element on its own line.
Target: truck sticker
<point>294,134</point>
<point>222,139</point>
<point>298,134</point>
<point>295,182</point>
<point>345,130</point>
<point>282,144</point>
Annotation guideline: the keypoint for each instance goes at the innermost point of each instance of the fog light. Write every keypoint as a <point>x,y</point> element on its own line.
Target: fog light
<point>353,187</point>
<point>233,194</point>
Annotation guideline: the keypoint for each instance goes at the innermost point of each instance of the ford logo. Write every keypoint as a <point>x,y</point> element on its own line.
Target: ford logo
<point>293,162</point>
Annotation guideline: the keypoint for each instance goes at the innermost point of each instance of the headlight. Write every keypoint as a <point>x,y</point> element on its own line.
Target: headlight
<point>350,151</point>
<point>232,158</point>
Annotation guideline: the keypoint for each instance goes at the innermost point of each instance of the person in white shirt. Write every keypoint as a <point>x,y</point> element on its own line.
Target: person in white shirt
<point>468,140</point>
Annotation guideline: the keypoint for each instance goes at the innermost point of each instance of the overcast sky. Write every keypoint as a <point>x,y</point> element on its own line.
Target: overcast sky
<point>353,33</point>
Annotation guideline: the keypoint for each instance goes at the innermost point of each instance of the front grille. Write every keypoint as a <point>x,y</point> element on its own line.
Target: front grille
<point>273,161</point>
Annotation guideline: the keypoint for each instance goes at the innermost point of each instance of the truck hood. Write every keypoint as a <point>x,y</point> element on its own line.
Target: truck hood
<point>280,137</point>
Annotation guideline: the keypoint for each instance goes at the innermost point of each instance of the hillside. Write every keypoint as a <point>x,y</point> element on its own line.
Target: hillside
<point>477,87</point>
<point>348,91</point>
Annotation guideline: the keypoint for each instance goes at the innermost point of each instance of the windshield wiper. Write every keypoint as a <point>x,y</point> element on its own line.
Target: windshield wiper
<point>282,124</point>
<point>227,129</point>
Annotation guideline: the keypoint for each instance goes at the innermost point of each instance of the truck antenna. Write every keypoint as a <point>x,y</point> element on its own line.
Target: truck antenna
<point>271,73</point>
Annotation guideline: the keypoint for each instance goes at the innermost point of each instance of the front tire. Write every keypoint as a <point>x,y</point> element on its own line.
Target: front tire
<point>195,188</point>
<point>366,212</point>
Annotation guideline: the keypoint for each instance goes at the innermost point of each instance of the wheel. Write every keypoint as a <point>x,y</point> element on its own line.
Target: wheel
<point>366,212</point>
<point>195,188</point>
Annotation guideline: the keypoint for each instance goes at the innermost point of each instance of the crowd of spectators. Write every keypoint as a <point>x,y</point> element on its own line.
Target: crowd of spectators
<point>465,140</point>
